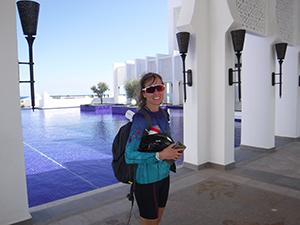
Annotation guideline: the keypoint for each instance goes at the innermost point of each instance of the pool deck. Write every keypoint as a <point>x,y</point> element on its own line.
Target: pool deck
<point>262,189</point>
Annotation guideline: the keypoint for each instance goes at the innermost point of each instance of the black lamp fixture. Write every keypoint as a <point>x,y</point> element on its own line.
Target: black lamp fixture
<point>238,37</point>
<point>183,39</point>
<point>280,51</point>
<point>29,13</point>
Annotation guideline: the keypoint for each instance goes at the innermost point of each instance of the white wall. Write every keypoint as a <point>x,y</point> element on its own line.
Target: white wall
<point>151,64</point>
<point>258,95</point>
<point>130,70</point>
<point>140,67</point>
<point>177,77</point>
<point>298,102</point>
<point>47,102</point>
<point>164,67</point>
<point>13,193</point>
<point>173,13</point>
<point>119,81</point>
<point>286,106</point>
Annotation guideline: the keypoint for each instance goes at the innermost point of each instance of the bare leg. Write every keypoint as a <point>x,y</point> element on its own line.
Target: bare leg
<point>160,214</point>
<point>149,222</point>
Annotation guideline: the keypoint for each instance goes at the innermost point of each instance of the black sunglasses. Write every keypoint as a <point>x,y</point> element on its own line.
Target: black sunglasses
<point>155,87</point>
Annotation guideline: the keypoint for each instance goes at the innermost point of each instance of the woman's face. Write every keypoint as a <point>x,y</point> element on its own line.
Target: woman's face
<point>154,92</point>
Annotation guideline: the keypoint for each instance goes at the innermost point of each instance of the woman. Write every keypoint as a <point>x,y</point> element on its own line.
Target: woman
<point>152,173</point>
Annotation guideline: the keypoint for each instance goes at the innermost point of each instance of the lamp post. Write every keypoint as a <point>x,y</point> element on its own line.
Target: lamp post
<point>183,39</point>
<point>280,51</point>
<point>238,37</point>
<point>29,12</point>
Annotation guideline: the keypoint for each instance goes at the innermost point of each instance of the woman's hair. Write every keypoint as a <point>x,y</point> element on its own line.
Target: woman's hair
<point>145,78</point>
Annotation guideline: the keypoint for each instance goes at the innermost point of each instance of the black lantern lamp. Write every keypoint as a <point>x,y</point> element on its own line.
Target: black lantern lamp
<point>280,51</point>
<point>183,39</point>
<point>238,37</point>
<point>29,13</point>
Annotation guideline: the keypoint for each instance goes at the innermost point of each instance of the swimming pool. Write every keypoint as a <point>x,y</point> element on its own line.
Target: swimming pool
<point>68,152</point>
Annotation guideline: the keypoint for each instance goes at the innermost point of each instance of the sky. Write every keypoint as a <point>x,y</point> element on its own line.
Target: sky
<point>78,41</point>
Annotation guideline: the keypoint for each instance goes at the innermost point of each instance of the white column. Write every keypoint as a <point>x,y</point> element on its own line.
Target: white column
<point>258,95</point>
<point>13,193</point>
<point>221,94</point>
<point>115,83</point>
<point>140,67</point>
<point>151,64</point>
<point>298,101</point>
<point>209,110</point>
<point>287,106</point>
<point>196,109</point>
<point>177,77</point>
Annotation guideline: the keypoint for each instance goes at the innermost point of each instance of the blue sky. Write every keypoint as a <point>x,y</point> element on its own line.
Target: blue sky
<point>78,41</point>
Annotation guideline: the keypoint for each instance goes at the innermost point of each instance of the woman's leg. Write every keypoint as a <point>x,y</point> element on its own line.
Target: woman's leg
<point>145,195</point>
<point>149,222</point>
<point>160,214</point>
<point>151,200</point>
<point>163,196</point>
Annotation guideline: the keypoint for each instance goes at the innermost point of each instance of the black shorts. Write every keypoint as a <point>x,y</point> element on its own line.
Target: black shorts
<point>150,197</point>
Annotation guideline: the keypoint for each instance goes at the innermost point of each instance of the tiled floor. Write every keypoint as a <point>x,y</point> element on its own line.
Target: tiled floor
<point>261,190</point>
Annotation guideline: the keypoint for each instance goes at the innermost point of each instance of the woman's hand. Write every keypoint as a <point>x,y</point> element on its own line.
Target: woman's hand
<point>170,153</point>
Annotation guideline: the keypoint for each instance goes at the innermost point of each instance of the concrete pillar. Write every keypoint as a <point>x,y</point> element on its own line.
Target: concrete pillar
<point>258,95</point>
<point>221,94</point>
<point>140,67</point>
<point>130,70</point>
<point>298,101</point>
<point>164,67</point>
<point>196,108</point>
<point>13,193</point>
<point>177,77</point>
<point>287,112</point>
<point>209,109</point>
<point>151,64</point>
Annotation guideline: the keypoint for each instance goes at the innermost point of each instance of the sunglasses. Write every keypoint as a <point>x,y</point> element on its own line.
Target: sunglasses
<point>155,87</point>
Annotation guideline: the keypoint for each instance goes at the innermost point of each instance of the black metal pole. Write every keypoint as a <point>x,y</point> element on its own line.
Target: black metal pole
<point>30,40</point>
<point>184,81</point>
<point>280,77</point>
<point>238,56</point>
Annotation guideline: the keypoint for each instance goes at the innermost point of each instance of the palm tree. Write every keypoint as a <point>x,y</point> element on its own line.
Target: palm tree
<point>100,89</point>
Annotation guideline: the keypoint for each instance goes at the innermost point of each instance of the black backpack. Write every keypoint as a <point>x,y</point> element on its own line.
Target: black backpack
<point>124,172</point>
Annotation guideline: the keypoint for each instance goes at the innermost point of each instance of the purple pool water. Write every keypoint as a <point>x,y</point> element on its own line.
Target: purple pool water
<point>68,152</point>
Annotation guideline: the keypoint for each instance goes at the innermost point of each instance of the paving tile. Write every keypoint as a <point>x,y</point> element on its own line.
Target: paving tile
<point>74,220</point>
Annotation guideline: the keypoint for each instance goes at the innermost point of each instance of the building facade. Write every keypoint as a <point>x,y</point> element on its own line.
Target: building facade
<point>209,109</point>
<point>168,66</point>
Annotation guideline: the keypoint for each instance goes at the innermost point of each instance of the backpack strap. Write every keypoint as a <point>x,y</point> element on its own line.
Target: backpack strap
<point>130,197</point>
<point>146,116</point>
<point>165,113</point>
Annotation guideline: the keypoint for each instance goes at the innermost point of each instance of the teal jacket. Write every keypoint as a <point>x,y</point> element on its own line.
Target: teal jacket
<point>149,169</point>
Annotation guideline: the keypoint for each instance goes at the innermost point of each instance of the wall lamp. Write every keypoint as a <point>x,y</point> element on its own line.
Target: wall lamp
<point>238,37</point>
<point>183,39</point>
<point>280,51</point>
<point>29,12</point>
